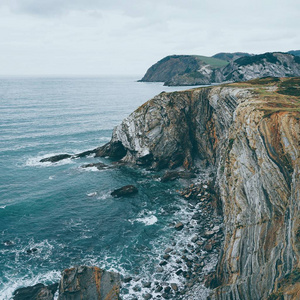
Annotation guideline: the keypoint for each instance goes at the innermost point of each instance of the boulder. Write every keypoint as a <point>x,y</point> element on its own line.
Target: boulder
<point>36,292</point>
<point>89,283</point>
<point>179,226</point>
<point>125,191</point>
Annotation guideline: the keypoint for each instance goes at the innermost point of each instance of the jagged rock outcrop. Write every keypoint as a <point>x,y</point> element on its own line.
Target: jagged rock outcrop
<point>89,283</point>
<point>250,133</point>
<point>199,70</point>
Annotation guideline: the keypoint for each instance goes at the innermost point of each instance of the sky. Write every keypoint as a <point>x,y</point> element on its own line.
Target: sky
<point>125,37</point>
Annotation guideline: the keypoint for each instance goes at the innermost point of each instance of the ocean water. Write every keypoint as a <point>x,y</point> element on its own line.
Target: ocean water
<point>64,211</point>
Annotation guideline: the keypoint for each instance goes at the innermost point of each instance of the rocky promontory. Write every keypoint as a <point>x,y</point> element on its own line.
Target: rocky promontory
<point>249,133</point>
<point>184,70</point>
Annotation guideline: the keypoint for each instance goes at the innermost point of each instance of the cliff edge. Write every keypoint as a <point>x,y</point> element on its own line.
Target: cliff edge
<point>250,133</point>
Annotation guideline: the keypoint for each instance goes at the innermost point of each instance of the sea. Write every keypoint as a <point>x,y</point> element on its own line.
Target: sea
<point>65,212</point>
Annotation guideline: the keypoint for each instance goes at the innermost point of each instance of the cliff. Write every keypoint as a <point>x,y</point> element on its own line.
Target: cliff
<point>249,132</point>
<point>199,70</point>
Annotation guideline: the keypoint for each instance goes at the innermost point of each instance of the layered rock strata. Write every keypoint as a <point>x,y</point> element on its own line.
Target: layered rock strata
<point>250,133</point>
<point>89,283</point>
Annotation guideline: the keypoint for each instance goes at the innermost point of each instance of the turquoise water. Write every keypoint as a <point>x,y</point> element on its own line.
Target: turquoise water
<point>64,211</point>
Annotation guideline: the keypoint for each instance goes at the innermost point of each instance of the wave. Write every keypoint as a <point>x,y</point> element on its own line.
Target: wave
<point>15,282</point>
<point>147,220</point>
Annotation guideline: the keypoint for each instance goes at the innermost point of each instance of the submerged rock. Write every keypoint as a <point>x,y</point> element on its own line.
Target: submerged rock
<point>89,283</point>
<point>125,191</point>
<point>36,292</point>
<point>99,166</point>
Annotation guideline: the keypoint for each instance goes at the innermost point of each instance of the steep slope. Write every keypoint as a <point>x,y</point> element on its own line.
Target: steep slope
<point>250,133</point>
<point>183,70</point>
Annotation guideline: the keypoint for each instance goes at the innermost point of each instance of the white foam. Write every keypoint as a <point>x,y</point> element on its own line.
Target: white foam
<point>35,161</point>
<point>91,169</point>
<point>93,194</point>
<point>51,177</point>
<point>150,220</point>
<point>15,283</point>
<point>3,206</point>
<point>104,196</point>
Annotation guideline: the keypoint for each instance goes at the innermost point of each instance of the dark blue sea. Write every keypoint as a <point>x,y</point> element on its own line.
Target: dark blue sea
<point>64,211</point>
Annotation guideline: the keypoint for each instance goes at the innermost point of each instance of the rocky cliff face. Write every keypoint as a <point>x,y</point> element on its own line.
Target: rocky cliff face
<point>197,70</point>
<point>250,133</point>
<point>258,66</point>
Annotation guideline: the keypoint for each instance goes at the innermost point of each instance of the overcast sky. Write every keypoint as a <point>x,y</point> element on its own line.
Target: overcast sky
<point>99,37</point>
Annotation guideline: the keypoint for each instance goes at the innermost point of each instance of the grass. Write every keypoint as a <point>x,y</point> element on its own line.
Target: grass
<point>213,62</point>
<point>285,97</point>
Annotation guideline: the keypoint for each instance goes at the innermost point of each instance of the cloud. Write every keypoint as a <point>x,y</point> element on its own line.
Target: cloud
<point>117,36</point>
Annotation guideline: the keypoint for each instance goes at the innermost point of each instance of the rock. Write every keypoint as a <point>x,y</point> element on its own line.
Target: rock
<point>158,289</point>
<point>173,175</point>
<point>174,287</point>
<point>168,250</point>
<point>179,226</point>
<point>127,279</point>
<point>147,284</point>
<point>194,239</point>
<point>216,229</point>
<point>167,289</point>
<point>163,263</point>
<point>166,256</point>
<point>208,247</point>
<point>137,288</point>
<point>89,283</point>
<point>178,272</point>
<point>36,292</point>
<point>147,296</point>
<point>127,190</point>
<point>197,216</point>
<point>56,158</point>
<point>208,234</point>
<point>99,166</point>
